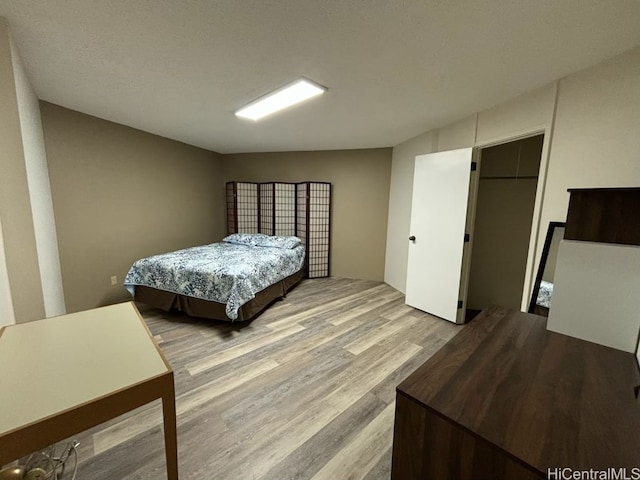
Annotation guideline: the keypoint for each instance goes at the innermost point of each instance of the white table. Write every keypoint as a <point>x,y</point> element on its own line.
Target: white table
<point>63,375</point>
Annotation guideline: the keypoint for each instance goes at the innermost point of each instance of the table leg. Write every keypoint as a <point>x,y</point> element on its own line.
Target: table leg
<point>170,430</point>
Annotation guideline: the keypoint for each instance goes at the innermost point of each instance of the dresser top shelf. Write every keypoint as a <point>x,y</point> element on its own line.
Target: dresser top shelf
<point>546,399</point>
<point>604,215</point>
<point>605,189</point>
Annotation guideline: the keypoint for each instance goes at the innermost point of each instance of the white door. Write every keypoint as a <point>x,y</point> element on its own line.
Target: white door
<point>436,244</point>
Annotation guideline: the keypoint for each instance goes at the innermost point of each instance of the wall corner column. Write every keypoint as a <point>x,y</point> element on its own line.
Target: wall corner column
<point>15,205</point>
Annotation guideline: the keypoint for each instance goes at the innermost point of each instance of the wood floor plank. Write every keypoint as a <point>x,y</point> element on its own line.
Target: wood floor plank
<point>367,447</point>
<point>305,461</point>
<point>272,445</point>
<point>397,312</point>
<point>367,307</point>
<point>241,349</point>
<point>323,308</point>
<point>272,418</point>
<point>134,459</point>
<point>304,385</point>
<point>325,336</point>
<point>303,391</point>
<point>127,428</point>
<point>382,469</point>
<point>151,417</point>
<point>310,385</point>
<point>374,336</point>
<point>372,375</point>
<point>386,390</point>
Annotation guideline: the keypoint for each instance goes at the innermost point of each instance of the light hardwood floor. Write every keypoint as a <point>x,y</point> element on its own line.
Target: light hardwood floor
<point>305,391</point>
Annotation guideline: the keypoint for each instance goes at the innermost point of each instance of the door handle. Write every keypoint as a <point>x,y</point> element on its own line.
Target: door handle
<point>412,238</point>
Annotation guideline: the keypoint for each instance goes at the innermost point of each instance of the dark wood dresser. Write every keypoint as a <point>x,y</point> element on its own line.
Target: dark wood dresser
<point>606,215</point>
<point>507,399</point>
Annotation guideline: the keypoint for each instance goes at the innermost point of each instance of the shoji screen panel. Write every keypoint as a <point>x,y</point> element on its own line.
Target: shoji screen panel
<point>278,208</point>
<point>245,208</point>
<point>285,212</point>
<point>314,225</point>
<point>267,202</point>
<point>301,213</point>
<point>231,208</point>
<point>319,228</point>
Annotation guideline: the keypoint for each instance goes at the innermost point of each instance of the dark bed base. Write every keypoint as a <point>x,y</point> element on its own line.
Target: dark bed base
<point>196,307</point>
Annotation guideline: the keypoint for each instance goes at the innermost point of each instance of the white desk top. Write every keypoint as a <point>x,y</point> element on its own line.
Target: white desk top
<point>52,365</point>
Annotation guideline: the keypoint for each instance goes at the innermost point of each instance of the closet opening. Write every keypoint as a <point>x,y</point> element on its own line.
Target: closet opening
<point>508,179</point>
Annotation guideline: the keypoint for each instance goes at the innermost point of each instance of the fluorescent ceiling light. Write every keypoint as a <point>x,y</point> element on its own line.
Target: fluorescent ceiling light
<point>284,97</point>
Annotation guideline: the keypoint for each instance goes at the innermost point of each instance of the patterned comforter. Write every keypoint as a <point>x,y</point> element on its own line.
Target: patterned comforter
<point>223,272</point>
<point>544,294</point>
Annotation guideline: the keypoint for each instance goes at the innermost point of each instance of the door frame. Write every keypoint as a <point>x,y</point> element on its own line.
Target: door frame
<point>470,223</point>
<point>534,253</point>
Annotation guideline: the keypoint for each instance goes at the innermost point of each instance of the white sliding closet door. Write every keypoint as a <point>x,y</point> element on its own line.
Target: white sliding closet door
<point>438,220</point>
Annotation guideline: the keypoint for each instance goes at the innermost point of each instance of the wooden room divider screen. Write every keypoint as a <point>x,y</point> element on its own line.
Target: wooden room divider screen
<point>278,208</point>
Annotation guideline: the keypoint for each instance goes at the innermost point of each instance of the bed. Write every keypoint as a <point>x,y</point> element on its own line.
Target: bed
<point>232,280</point>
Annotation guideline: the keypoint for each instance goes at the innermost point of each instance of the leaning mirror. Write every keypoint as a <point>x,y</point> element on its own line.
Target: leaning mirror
<point>543,287</point>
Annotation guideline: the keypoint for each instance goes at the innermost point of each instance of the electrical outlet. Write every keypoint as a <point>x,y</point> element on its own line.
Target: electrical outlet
<point>114,279</point>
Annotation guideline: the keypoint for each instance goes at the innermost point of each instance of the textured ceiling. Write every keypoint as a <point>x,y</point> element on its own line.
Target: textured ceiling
<point>394,69</point>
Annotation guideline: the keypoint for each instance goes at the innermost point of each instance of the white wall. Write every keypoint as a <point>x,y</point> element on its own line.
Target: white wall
<point>596,139</point>
<point>6,304</point>
<point>595,293</point>
<point>460,134</point>
<point>591,122</point>
<point>518,117</point>
<point>397,251</point>
<point>526,115</point>
<point>39,190</point>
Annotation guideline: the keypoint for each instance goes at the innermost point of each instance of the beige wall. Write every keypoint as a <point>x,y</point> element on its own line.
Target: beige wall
<point>590,120</point>
<point>360,200</point>
<point>399,218</point>
<point>15,204</point>
<point>120,194</point>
